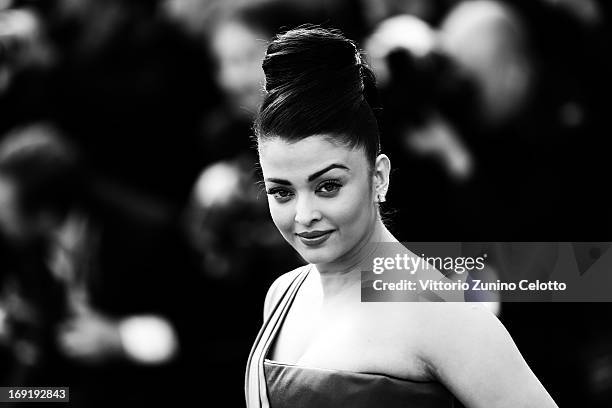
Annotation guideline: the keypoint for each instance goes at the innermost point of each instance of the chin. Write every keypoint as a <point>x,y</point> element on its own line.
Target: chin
<point>318,255</point>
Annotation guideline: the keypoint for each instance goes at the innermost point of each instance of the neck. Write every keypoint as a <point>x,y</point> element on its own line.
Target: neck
<point>344,274</point>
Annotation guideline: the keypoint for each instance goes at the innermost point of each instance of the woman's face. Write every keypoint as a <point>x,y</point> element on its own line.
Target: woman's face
<point>320,196</point>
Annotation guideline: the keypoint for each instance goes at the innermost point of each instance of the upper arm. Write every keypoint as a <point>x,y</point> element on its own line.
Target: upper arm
<point>472,353</point>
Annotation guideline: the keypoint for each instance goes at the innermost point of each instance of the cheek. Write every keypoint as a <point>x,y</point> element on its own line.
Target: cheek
<point>282,216</point>
<point>351,211</point>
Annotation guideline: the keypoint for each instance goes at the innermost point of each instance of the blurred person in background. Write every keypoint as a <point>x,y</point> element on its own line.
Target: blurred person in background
<point>470,96</point>
<point>424,93</point>
<point>25,46</point>
<point>94,298</point>
<point>238,41</point>
<point>23,43</point>
<point>238,38</point>
<point>123,76</point>
<point>489,41</point>
<point>430,11</point>
<point>194,15</point>
<point>239,254</point>
<point>537,123</point>
<point>230,224</point>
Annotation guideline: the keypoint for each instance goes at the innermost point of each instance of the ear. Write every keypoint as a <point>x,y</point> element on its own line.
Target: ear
<point>380,185</point>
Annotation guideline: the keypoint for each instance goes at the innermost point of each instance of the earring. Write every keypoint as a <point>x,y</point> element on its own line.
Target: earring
<point>381,198</point>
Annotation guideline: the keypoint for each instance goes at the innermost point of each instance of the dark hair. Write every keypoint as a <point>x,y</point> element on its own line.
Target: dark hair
<point>46,170</point>
<point>317,83</point>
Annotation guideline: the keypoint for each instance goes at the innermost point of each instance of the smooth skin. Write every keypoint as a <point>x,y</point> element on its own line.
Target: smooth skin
<point>319,185</point>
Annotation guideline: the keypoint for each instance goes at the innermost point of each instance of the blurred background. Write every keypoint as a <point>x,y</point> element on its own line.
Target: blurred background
<point>136,247</point>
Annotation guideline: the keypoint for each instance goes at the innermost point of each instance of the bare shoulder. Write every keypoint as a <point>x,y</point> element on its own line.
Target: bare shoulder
<point>468,349</point>
<point>457,328</point>
<point>455,317</point>
<point>278,287</point>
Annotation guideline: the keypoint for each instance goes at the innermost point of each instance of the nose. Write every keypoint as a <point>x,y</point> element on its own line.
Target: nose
<point>306,212</point>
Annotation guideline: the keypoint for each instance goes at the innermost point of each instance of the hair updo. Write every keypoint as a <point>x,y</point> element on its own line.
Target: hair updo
<point>317,83</point>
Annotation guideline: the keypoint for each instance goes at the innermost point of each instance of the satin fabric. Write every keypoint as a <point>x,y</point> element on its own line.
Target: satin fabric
<point>255,380</point>
<point>270,384</point>
<point>291,386</point>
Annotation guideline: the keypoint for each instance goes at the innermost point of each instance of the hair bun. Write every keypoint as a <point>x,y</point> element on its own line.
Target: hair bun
<point>314,58</point>
<point>317,83</point>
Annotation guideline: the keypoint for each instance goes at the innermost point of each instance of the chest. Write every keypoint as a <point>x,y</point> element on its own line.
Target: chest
<point>362,337</point>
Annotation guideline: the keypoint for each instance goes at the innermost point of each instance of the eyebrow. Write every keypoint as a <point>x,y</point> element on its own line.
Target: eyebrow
<point>312,176</point>
<point>325,170</point>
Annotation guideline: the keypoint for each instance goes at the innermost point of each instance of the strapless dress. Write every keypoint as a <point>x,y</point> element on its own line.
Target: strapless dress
<point>271,384</point>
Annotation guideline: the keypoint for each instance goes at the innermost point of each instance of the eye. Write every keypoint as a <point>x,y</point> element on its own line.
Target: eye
<point>329,188</point>
<point>280,194</point>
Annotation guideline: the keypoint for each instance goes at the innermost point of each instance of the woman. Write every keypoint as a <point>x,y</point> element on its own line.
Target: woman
<point>320,346</point>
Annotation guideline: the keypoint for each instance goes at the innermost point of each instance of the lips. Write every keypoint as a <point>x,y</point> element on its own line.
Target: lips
<point>313,238</point>
<point>313,234</point>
